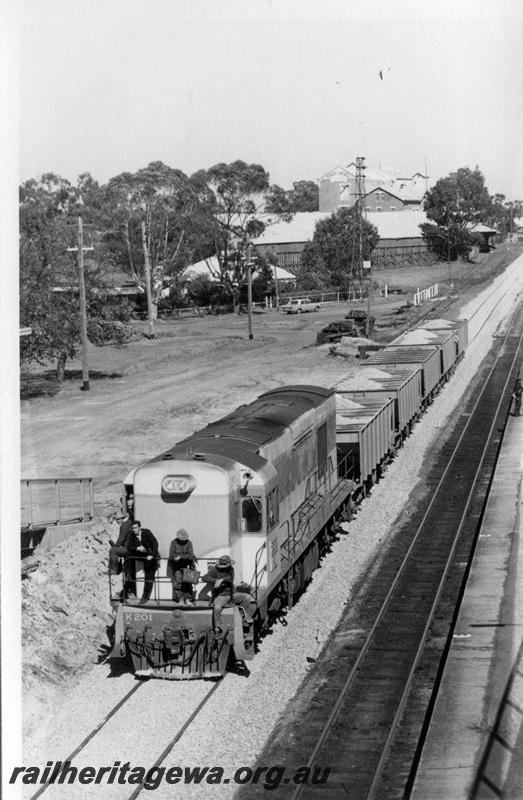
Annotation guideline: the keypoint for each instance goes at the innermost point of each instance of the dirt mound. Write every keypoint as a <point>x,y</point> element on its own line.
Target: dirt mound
<point>349,346</point>
<point>65,608</point>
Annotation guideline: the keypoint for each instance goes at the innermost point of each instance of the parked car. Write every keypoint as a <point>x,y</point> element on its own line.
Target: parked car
<point>299,305</point>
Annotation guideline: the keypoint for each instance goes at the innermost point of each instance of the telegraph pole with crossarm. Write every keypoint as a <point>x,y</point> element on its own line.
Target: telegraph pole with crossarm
<point>83,309</point>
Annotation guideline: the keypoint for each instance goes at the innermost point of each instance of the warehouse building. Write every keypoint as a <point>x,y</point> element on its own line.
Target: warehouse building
<point>400,242</point>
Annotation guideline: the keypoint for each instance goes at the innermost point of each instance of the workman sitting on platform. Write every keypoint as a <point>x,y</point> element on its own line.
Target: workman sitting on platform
<point>221,577</point>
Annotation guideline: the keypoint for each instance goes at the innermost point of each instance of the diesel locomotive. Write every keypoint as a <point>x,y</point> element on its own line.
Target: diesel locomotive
<point>262,486</point>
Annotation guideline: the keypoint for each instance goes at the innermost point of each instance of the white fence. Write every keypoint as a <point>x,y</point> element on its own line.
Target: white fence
<point>425,294</point>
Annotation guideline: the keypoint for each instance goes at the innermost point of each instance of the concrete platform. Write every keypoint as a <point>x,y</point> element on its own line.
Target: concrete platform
<point>486,647</point>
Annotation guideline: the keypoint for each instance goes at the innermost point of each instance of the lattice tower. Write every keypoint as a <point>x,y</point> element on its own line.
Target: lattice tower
<point>362,215</point>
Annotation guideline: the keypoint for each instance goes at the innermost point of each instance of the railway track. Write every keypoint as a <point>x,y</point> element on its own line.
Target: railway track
<point>355,713</point>
<point>440,307</point>
<point>165,752</point>
<point>102,724</point>
<point>83,744</point>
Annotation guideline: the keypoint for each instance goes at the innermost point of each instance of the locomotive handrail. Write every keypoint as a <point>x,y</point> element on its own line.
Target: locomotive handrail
<point>166,579</point>
<point>303,522</point>
<point>258,575</point>
<point>313,506</point>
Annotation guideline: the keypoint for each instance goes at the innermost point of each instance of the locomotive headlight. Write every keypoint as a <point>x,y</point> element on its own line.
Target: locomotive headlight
<point>178,484</point>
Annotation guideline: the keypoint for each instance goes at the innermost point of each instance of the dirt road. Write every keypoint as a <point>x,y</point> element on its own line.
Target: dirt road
<point>169,388</point>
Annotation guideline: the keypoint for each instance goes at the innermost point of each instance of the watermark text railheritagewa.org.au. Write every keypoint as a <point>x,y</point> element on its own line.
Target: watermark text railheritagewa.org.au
<point>62,772</point>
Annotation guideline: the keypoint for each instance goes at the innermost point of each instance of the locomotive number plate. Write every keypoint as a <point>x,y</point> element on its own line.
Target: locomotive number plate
<point>137,616</point>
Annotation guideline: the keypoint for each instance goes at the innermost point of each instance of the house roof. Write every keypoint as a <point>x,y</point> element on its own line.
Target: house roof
<point>337,172</point>
<point>479,228</point>
<point>390,225</point>
<point>211,268</point>
<point>405,194</point>
<point>377,172</point>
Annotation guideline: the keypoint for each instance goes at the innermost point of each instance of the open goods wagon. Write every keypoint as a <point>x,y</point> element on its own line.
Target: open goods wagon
<point>447,341</point>
<point>404,387</point>
<point>427,358</point>
<point>365,435</point>
<point>459,327</point>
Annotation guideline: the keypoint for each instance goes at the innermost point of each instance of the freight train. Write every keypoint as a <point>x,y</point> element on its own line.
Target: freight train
<point>263,486</point>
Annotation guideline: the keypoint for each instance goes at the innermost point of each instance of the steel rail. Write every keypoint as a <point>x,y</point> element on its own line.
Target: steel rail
<point>401,706</point>
<point>178,736</point>
<point>87,739</point>
<point>381,613</point>
<point>516,279</point>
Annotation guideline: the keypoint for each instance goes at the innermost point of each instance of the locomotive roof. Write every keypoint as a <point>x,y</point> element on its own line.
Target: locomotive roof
<point>241,433</point>
<point>267,416</point>
<point>232,449</point>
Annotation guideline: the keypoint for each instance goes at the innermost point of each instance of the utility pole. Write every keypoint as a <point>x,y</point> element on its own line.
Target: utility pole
<point>148,282</point>
<point>83,307</point>
<point>249,290</point>
<point>362,215</point>
<point>276,287</point>
<point>369,296</point>
<point>448,250</point>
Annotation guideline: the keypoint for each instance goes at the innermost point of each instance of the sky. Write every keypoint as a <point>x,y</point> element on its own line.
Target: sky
<point>107,87</point>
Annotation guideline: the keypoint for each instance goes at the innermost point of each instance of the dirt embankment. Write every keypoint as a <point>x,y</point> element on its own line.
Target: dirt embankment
<point>65,613</point>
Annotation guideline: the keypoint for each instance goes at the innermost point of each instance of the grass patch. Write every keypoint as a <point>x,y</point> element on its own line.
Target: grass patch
<point>39,385</point>
<point>45,384</point>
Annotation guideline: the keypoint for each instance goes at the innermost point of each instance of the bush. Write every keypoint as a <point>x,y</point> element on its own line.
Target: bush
<point>204,292</point>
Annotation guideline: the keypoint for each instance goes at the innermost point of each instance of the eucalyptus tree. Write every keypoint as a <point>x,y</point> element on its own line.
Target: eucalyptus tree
<point>340,243</point>
<point>49,298</point>
<point>238,194</point>
<point>455,204</point>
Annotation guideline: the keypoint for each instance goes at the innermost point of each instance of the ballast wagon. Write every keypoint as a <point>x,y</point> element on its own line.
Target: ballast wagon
<point>404,387</point>
<point>365,433</point>
<point>427,358</point>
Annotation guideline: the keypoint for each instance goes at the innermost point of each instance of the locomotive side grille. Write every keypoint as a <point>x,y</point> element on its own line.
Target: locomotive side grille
<point>322,448</point>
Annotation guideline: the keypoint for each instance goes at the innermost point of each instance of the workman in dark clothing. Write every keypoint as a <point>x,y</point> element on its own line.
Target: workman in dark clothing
<point>221,578</point>
<point>516,394</point>
<point>143,545</point>
<point>181,556</point>
<point>119,549</point>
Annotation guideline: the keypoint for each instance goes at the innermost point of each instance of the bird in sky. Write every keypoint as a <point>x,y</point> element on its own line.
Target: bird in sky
<point>381,74</point>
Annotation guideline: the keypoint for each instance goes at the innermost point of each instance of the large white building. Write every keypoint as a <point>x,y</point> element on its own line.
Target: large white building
<point>386,189</point>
